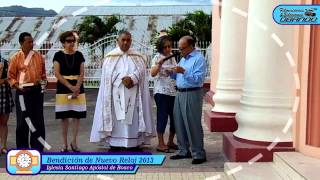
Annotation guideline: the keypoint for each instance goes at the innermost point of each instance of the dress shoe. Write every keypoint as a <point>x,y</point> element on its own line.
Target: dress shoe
<point>199,161</point>
<point>134,149</point>
<point>115,149</point>
<point>177,156</point>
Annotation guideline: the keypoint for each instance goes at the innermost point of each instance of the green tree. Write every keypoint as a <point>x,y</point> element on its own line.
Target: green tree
<point>111,24</point>
<point>176,32</point>
<point>200,25</point>
<point>93,28</point>
<point>196,24</point>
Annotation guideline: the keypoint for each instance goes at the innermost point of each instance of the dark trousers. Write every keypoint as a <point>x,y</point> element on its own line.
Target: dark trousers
<point>33,102</point>
<point>165,105</point>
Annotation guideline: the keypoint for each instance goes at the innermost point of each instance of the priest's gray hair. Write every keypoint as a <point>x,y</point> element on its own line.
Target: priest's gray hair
<point>124,32</point>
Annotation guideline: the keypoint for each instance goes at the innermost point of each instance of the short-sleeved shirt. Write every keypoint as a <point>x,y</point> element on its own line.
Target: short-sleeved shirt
<point>163,83</point>
<point>69,66</point>
<point>69,63</point>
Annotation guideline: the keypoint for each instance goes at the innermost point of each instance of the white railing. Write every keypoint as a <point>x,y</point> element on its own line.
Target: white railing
<point>94,56</point>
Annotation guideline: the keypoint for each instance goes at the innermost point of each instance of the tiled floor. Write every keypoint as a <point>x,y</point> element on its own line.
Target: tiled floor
<point>178,169</point>
<point>138,176</point>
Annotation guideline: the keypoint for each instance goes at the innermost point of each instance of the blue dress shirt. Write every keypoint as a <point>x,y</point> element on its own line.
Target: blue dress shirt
<point>195,70</point>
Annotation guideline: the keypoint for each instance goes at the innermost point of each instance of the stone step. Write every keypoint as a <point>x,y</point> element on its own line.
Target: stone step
<point>140,176</point>
<point>255,171</point>
<point>295,165</point>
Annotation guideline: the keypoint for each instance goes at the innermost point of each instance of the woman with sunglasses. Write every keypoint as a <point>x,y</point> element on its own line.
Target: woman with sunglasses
<point>164,92</point>
<point>70,97</point>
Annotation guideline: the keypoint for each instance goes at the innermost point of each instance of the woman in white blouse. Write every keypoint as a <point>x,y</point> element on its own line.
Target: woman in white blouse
<point>164,92</point>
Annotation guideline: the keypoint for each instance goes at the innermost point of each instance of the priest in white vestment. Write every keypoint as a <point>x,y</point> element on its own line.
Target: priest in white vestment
<point>123,116</point>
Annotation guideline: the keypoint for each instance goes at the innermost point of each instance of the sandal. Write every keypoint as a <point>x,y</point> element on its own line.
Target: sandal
<point>165,150</point>
<point>4,151</point>
<point>64,149</point>
<point>74,148</point>
<point>173,146</point>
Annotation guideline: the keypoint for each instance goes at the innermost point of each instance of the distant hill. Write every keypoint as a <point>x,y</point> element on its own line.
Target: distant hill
<point>23,11</point>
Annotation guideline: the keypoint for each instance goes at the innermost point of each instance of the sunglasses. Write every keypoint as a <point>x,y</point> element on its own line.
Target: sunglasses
<point>70,40</point>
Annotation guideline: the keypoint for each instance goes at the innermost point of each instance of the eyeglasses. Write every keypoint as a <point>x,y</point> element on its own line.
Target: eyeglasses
<point>181,49</point>
<point>70,40</point>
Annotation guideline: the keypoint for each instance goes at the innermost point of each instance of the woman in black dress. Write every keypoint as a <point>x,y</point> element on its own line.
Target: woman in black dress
<point>70,97</point>
<point>6,105</point>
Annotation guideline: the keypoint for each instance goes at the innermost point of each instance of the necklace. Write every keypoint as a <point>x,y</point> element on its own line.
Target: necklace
<point>67,61</point>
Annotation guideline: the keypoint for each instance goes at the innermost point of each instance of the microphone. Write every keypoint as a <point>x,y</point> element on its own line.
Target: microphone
<point>169,57</point>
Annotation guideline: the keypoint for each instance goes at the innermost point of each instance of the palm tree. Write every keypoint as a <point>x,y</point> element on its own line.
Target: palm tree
<point>196,24</point>
<point>93,28</point>
<point>200,25</point>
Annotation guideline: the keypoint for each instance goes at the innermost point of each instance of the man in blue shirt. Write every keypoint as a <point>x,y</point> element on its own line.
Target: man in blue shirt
<point>189,75</point>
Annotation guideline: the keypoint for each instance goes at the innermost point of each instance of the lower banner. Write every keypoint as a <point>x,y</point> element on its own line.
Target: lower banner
<point>31,162</point>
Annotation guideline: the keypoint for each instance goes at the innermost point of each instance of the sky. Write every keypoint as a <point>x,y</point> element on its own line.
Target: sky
<point>57,5</point>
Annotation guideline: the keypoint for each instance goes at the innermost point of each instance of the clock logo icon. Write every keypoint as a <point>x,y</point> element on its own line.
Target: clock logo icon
<point>23,162</point>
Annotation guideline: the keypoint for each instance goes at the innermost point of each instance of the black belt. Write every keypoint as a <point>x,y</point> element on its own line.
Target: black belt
<point>32,87</point>
<point>27,89</point>
<point>188,89</point>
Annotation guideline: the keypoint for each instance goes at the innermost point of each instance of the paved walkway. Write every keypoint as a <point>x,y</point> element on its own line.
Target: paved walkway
<point>179,169</point>
<point>138,176</point>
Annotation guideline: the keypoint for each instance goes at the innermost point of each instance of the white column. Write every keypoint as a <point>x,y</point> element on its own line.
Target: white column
<point>267,97</point>
<point>215,45</point>
<point>232,57</point>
